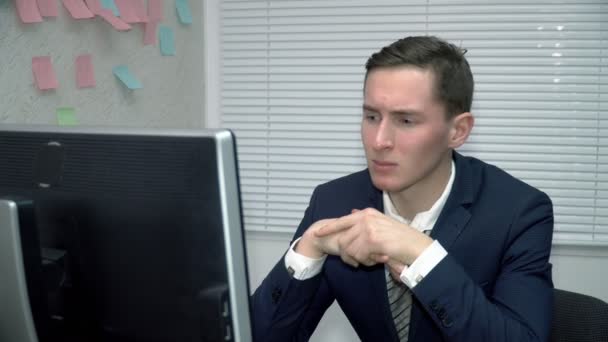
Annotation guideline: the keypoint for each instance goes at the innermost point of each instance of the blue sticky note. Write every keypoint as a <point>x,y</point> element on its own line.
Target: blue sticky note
<point>183,11</point>
<point>109,4</point>
<point>167,42</point>
<point>123,74</point>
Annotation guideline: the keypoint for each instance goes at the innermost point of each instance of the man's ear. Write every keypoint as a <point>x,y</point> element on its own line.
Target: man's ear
<point>462,124</point>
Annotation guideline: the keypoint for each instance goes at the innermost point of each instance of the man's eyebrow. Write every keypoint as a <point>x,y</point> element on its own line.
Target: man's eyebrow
<point>369,108</point>
<point>395,112</point>
<point>405,112</point>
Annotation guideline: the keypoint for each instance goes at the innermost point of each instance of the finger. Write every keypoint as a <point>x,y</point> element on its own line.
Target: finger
<point>338,225</point>
<point>322,222</point>
<point>369,262</point>
<point>352,243</point>
<point>352,252</point>
<point>347,238</point>
<point>395,265</point>
<point>379,258</point>
<point>360,252</point>
<point>349,260</point>
<point>396,276</point>
<point>365,258</point>
<point>345,222</point>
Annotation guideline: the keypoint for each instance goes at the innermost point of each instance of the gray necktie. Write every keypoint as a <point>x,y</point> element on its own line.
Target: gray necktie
<point>400,301</point>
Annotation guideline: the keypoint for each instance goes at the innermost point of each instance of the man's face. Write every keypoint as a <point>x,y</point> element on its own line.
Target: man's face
<point>404,129</point>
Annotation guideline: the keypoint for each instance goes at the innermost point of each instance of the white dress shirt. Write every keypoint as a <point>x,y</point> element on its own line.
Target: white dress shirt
<point>302,267</point>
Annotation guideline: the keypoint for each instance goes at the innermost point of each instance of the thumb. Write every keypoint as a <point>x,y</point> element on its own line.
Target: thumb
<point>395,265</point>
<point>379,258</point>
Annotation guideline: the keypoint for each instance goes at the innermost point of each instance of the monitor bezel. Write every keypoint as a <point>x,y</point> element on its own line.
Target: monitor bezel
<point>16,320</point>
<point>229,186</point>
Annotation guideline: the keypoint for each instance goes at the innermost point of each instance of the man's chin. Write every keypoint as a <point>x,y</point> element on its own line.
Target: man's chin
<point>383,184</point>
<point>387,184</point>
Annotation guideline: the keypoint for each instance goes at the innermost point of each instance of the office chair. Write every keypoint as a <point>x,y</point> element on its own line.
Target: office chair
<point>578,317</point>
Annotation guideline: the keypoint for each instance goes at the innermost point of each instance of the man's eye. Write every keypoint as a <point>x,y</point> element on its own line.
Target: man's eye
<point>406,121</point>
<point>371,117</point>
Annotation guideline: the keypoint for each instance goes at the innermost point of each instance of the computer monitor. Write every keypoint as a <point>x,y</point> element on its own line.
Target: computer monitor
<point>121,235</point>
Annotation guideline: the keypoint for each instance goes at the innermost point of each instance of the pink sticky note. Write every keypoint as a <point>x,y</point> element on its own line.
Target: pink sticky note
<point>128,12</point>
<point>85,77</point>
<point>139,6</point>
<point>150,36</point>
<point>44,75</point>
<point>78,9</point>
<point>109,16</point>
<point>94,6</point>
<point>48,8</point>
<point>28,11</point>
<point>155,10</point>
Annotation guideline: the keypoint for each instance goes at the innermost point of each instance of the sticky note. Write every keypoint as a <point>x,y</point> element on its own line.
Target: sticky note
<point>167,43</point>
<point>183,11</point>
<point>44,75</point>
<point>150,33</point>
<point>28,11</point>
<point>155,10</point>
<point>78,9</point>
<point>139,7</point>
<point>66,116</point>
<point>118,24</point>
<point>128,12</point>
<point>109,4</point>
<point>48,8</point>
<point>125,76</point>
<point>94,6</point>
<point>85,76</point>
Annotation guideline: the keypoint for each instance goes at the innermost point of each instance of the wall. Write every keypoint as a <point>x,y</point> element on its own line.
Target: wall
<point>173,86</point>
<point>575,268</point>
<point>173,96</point>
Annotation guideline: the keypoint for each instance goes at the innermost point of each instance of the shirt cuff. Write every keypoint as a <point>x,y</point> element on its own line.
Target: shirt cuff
<point>423,265</point>
<point>302,267</point>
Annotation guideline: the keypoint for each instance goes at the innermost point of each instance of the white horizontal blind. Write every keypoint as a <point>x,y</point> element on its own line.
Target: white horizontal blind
<point>292,90</point>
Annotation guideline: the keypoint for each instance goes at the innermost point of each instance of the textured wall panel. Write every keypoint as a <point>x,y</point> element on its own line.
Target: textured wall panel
<point>173,85</point>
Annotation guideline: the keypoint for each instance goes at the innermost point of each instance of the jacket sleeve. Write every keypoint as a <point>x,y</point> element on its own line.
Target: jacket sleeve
<point>519,307</point>
<point>287,309</point>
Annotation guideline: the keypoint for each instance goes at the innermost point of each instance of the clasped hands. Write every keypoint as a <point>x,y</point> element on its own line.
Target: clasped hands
<point>366,237</point>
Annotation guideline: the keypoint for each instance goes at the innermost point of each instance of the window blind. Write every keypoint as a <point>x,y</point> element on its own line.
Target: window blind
<point>292,74</point>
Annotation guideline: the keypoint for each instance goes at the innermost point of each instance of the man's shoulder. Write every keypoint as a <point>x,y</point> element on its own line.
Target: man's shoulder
<point>359,180</point>
<point>353,190</point>
<point>495,179</point>
<point>340,196</point>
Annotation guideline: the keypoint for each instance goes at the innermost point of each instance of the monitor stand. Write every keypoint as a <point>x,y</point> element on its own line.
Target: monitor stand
<point>16,321</point>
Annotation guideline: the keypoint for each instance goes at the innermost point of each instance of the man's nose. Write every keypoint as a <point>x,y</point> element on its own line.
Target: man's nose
<point>384,135</point>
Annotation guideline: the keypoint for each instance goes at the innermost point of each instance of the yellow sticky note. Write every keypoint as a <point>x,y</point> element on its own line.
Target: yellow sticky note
<point>66,116</point>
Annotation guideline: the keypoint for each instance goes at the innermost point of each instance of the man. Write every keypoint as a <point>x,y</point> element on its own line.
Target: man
<point>425,244</point>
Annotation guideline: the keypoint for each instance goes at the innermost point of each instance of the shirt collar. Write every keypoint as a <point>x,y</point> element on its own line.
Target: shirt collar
<point>424,220</point>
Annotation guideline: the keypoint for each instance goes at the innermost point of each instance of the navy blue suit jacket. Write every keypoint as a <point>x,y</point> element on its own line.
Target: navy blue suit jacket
<point>494,284</point>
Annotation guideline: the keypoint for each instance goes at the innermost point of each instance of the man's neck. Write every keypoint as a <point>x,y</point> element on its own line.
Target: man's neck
<point>421,196</point>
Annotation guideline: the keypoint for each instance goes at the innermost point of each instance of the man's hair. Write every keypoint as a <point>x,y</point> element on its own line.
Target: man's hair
<point>453,80</point>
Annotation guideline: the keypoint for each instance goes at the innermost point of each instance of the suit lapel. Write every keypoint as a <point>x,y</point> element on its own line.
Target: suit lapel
<point>455,214</point>
<point>450,224</point>
<point>446,232</point>
<point>451,221</point>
